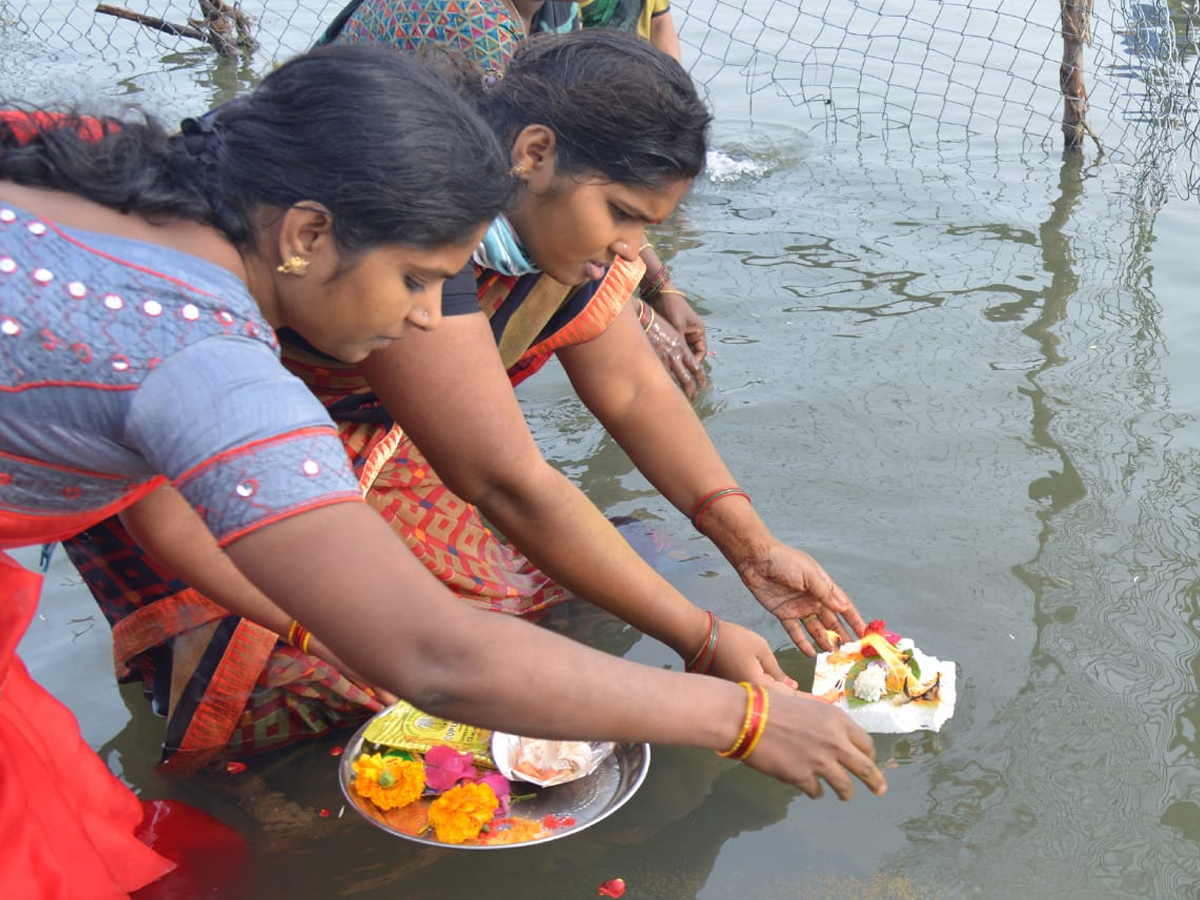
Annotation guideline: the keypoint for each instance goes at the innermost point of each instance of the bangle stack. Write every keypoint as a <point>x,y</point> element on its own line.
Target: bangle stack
<point>645,315</point>
<point>298,636</point>
<point>703,660</point>
<point>757,703</point>
<point>660,280</point>
<point>708,499</point>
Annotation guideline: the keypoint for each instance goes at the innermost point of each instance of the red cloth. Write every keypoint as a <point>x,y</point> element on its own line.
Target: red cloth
<point>26,125</point>
<point>68,827</point>
<point>66,822</point>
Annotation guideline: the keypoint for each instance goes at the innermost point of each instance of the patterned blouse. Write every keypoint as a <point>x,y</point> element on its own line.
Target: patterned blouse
<point>122,360</point>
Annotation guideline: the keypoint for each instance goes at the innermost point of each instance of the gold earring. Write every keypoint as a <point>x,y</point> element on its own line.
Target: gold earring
<point>518,170</point>
<point>296,265</point>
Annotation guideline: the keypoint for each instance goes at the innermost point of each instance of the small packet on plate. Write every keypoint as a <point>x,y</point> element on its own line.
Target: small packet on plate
<point>546,763</point>
<point>404,727</point>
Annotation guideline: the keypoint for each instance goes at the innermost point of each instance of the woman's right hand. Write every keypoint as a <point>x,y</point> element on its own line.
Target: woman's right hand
<point>807,741</point>
<point>744,655</point>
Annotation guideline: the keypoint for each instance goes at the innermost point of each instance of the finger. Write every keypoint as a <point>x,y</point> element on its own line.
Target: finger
<point>871,775</point>
<point>815,627</point>
<point>796,631</point>
<point>830,595</point>
<point>820,635</point>
<point>862,742</point>
<point>841,782</point>
<point>843,630</point>
<point>683,377</point>
<point>853,618</point>
<point>689,360</point>
<point>773,671</point>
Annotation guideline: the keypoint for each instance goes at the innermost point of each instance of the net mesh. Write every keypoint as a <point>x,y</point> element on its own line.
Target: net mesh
<point>929,73</point>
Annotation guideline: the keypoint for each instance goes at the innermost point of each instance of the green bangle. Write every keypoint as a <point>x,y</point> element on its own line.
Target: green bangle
<point>705,502</point>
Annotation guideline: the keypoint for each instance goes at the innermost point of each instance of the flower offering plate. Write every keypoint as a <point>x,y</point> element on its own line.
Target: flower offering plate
<point>537,815</point>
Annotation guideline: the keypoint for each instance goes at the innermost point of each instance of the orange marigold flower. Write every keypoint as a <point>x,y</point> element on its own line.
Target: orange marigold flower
<point>388,781</point>
<point>460,814</point>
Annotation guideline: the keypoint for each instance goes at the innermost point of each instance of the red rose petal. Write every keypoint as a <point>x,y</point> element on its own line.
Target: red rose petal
<point>613,888</point>
<point>235,767</point>
<point>337,751</point>
<point>324,814</point>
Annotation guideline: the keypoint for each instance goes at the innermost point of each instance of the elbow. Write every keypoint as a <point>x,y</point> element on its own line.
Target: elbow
<point>517,483</point>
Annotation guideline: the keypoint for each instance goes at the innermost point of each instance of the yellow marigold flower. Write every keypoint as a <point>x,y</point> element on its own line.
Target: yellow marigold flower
<point>388,781</point>
<point>459,814</point>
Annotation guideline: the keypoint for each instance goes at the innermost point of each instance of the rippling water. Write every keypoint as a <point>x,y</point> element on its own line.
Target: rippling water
<point>964,379</point>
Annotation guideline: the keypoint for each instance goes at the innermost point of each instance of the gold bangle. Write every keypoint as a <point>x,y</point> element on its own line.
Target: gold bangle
<point>745,722</point>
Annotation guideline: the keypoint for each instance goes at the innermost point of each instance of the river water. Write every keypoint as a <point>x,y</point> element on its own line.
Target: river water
<point>960,372</point>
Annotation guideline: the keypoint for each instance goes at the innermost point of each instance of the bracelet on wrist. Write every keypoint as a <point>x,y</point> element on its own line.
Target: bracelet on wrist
<point>702,661</point>
<point>662,292</point>
<point>298,636</point>
<point>656,284</point>
<point>753,725</point>
<point>708,499</point>
<point>645,315</point>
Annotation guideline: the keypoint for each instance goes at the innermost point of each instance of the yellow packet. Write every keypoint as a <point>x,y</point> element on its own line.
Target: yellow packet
<point>405,727</point>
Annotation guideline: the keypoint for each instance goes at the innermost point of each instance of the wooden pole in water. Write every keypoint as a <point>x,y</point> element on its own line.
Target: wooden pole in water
<point>1076,32</point>
<point>224,27</point>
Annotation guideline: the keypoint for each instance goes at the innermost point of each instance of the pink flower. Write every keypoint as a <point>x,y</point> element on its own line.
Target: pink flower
<point>445,767</point>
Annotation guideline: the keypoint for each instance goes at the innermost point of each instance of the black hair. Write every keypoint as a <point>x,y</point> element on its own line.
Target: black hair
<point>379,138</point>
<point>619,107</point>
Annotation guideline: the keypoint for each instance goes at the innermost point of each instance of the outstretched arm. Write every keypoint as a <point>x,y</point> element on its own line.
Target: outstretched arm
<point>466,419</point>
<point>622,383</point>
<point>341,569</point>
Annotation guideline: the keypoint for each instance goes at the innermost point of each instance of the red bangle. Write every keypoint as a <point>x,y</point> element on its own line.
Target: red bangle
<point>657,283</point>
<point>703,660</point>
<point>645,315</point>
<point>756,727</point>
<point>757,703</point>
<point>298,636</point>
<point>707,500</point>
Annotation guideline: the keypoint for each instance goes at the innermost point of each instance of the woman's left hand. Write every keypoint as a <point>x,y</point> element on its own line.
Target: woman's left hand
<point>672,304</point>
<point>744,655</point>
<point>677,359</point>
<point>799,592</point>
